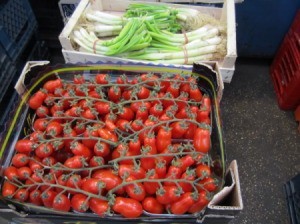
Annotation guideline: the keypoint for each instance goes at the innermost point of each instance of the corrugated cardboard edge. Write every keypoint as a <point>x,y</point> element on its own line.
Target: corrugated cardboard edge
<point>20,87</point>
<point>235,187</point>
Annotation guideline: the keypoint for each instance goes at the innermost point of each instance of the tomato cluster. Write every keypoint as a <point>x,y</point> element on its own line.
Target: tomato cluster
<point>128,146</point>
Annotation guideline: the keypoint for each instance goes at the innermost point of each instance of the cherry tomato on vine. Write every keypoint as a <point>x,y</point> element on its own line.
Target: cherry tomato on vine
<point>168,194</point>
<point>110,179</point>
<point>114,93</point>
<point>99,206</point>
<point>102,79</point>
<point>20,159</point>
<point>37,99</point>
<point>163,139</point>
<point>201,202</point>
<point>24,173</point>
<point>128,207</point>
<point>11,173</point>
<point>62,203</point>
<point>101,149</point>
<point>44,150</point>
<point>25,146</point>
<point>80,202</point>
<point>21,195</point>
<point>135,190</point>
<point>203,171</point>
<point>201,140</point>
<point>42,111</point>
<point>40,124</point>
<point>131,170</point>
<point>35,197</point>
<point>51,85</point>
<point>48,198</point>
<point>151,204</point>
<point>75,162</point>
<point>183,204</point>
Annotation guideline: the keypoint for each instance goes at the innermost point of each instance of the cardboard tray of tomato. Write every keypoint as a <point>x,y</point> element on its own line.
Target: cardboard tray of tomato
<point>117,141</point>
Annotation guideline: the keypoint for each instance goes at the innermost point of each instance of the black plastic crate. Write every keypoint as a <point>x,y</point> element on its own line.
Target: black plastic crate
<point>7,72</point>
<point>17,23</point>
<point>292,191</point>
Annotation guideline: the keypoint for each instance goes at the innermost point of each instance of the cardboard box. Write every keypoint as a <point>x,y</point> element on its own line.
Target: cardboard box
<point>72,55</point>
<point>225,205</point>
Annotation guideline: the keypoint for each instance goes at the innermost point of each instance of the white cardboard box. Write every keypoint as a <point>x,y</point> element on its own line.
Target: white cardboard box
<point>72,55</point>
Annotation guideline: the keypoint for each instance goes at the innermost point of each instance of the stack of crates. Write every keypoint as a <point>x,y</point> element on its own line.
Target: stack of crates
<point>18,43</point>
<point>17,26</point>
<point>285,69</point>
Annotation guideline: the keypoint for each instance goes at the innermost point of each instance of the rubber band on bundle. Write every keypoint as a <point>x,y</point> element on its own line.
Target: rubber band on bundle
<point>94,46</point>
<point>186,40</point>
<point>186,58</point>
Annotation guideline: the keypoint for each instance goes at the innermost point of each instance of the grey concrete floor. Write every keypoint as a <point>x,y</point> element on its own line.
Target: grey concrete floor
<point>264,141</point>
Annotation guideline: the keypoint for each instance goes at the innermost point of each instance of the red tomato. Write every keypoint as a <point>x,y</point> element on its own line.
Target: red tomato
<point>101,149</point>
<point>209,183</point>
<point>36,136</point>
<point>151,187</point>
<point>131,170</point>
<point>163,139</point>
<point>21,194</point>
<point>174,172</point>
<point>51,85</point>
<point>80,149</point>
<point>134,146</point>
<point>110,179</point>
<point>179,128</point>
<point>121,80</point>
<point>11,173</point>
<point>123,125</point>
<point>80,203</point>
<point>62,203</point>
<point>128,207</point>
<point>168,194</point>
<point>37,99</point>
<point>99,206</point>
<point>40,124</point>
<point>195,93</point>
<point>35,197</point>
<point>189,176</point>
<point>96,161</point>
<point>201,140</point>
<point>54,129</point>
<point>190,132</point>
<point>24,173</point>
<point>201,202</point>
<point>206,102</point>
<point>203,171</point>
<point>160,168</point>
<point>142,113</point>
<point>183,204</point>
<point>89,114</point>
<point>114,93</point>
<point>44,150</point>
<point>135,190</point>
<point>75,162</point>
<point>143,93</point>
<point>186,161</point>
<point>74,181</point>
<point>102,107</point>
<point>79,127</point>
<point>78,79</point>
<point>88,134</point>
<point>102,79</point>
<point>150,204</point>
<point>156,110</point>
<point>137,125</point>
<point>107,135</point>
<point>20,159</point>
<point>93,185</point>
<point>42,111</point>
<point>48,198</point>
<point>8,189</point>
<point>173,89</point>
<point>126,113</point>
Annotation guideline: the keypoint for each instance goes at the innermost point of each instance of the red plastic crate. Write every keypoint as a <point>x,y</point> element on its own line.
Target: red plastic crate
<point>285,69</point>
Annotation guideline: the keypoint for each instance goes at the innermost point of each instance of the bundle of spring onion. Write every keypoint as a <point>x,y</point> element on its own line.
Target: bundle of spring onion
<point>150,32</point>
